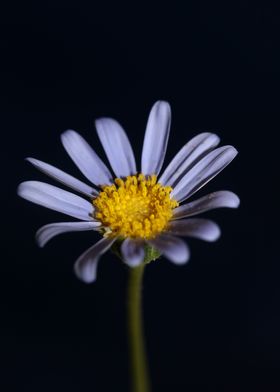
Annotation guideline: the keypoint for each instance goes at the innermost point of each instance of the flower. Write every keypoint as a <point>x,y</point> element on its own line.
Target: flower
<point>140,211</point>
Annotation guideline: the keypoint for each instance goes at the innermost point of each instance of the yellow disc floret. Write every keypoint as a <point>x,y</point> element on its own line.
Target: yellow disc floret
<point>136,206</point>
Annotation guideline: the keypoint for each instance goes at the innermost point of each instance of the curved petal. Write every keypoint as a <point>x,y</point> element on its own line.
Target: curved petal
<point>63,177</point>
<point>47,232</point>
<point>156,138</point>
<point>133,252</point>
<point>203,229</point>
<point>85,158</point>
<point>187,157</point>
<point>173,248</point>
<point>203,171</point>
<point>117,146</point>
<point>219,199</point>
<point>57,199</point>
<point>86,265</point>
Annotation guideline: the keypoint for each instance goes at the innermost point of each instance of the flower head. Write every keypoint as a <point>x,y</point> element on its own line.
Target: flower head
<point>137,209</point>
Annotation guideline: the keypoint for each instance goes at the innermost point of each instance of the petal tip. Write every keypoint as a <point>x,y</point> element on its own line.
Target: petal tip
<point>39,239</point>
<point>40,243</point>
<point>84,274</point>
<point>162,105</point>
<point>162,102</point>
<point>101,120</point>
<point>213,137</point>
<point>67,133</point>
<point>215,234</point>
<point>183,258</point>
<point>212,232</point>
<point>233,151</point>
<point>98,122</point>
<point>133,252</point>
<point>232,200</point>
<point>235,202</point>
<point>20,188</point>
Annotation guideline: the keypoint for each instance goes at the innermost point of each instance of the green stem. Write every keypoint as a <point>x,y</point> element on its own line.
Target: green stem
<point>140,380</point>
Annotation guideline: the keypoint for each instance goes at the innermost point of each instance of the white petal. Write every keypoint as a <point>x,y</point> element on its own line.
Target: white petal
<point>86,265</point>
<point>204,229</point>
<point>133,252</point>
<point>117,146</point>
<point>218,199</point>
<point>47,232</point>
<point>56,199</point>
<point>85,158</point>
<point>63,177</point>
<point>175,249</point>
<point>203,172</point>
<point>156,138</point>
<point>187,156</point>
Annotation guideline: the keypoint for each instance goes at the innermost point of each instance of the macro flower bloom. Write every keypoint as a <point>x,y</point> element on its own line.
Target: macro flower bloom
<point>139,210</point>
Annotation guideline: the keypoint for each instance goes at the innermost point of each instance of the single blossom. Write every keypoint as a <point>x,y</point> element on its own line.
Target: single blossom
<point>139,210</point>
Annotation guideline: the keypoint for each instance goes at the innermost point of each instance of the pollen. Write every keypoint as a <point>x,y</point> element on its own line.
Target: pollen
<point>136,207</point>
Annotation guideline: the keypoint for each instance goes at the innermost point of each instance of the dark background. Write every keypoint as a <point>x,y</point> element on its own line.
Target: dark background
<point>212,325</point>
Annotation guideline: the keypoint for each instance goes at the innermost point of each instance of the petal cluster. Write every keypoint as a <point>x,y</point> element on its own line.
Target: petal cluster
<point>193,166</point>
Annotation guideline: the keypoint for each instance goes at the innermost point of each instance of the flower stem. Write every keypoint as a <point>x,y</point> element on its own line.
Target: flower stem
<point>139,372</point>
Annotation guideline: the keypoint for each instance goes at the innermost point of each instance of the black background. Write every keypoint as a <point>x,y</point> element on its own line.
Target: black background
<point>212,325</point>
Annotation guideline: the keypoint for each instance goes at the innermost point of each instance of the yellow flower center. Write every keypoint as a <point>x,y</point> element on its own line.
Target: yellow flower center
<point>137,206</point>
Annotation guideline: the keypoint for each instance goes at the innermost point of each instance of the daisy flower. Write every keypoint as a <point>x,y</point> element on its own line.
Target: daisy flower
<point>139,211</point>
